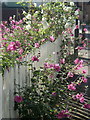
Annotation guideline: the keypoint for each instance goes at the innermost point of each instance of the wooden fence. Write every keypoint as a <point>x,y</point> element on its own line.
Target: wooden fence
<point>20,74</point>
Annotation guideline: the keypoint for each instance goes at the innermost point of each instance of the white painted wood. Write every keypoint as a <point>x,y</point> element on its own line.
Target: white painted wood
<point>18,75</point>
<point>5,97</point>
<point>1,84</point>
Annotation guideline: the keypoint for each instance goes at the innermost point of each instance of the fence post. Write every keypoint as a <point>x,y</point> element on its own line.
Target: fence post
<point>76,40</point>
<point>83,32</point>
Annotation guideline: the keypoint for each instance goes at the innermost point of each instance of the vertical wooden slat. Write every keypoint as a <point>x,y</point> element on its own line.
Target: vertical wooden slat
<point>6,94</point>
<point>1,84</point>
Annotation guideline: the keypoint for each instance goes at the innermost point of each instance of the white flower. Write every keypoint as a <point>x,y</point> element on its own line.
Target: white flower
<point>72,3</point>
<point>28,22</point>
<point>67,8</point>
<point>24,12</point>
<point>76,12</point>
<point>67,25</point>
<point>35,4</point>
<point>13,16</point>
<point>28,27</point>
<point>43,18</point>
<point>28,16</point>
<point>24,19</point>
<point>36,12</point>
<point>42,11</point>
<point>59,21</point>
<point>70,18</point>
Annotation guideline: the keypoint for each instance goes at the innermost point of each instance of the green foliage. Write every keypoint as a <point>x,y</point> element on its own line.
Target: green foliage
<point>38,24</point>
<point>39,102</point>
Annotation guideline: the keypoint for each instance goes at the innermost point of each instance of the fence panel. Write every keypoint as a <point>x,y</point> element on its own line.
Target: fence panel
<point>21,74</point>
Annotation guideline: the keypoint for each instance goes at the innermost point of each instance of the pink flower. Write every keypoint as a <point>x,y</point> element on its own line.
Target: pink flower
<point>84,79</point>
<point>51,66</point>
<point>18,99</point>
<point>11,46</point>
<point>76,61</point>
<point>29,44</point>
<point>20,21</point>
<point>82,42</point>
<point>77,26</point>
<point>85,29</point>
<point>13,22</point>
<point>19,59</point>
<point>87,106</point>
<point>81,94</point>
<point>26,33</point>
<point>10,18</point>
<point>31,37</point>
<point>54,93</point>
<point>63,32</point>
<point>72,86</point>
<point>84,45</point>
<point>18,43</point>
<point>70,74</point>
<point>78,10</point>
<point>4,38</point>
<point>79,67</point>
<point>20,51</point>
<point>2,25</point>
<point>13,26</point>
<point>52,39</point>
<point>81,61</point>
<point>34,58</point>
<point>7,30</point>
<point>43,40</point>
<point>46,65</point>
<point>78,96</point>
<point>69,30</point>
<point>57,67</point>
<point>79,83</point>
<point>82,99</point>
<point>72,35</point>
<point>84,71</point>
<point>62,61</point>
<point>62,114</point>
<point>36,45</point>
<point>80,48</point>
<point>74,97</point>
<point>36,29</point>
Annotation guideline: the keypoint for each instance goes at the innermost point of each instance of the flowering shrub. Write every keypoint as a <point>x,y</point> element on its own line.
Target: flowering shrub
<point>51,90</point>
<point>40,24</point>
<point>53,84</point>
<point>43,99</point>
